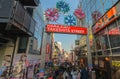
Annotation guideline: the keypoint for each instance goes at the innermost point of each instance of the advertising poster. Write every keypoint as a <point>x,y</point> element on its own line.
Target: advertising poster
<point>30,72</point>
<point>7,60</point>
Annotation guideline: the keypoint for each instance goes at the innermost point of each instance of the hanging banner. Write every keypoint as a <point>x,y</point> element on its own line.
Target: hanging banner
<point>66,29</point>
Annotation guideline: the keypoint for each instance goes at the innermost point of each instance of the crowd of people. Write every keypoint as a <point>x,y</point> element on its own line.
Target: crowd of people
<point>67,71</point>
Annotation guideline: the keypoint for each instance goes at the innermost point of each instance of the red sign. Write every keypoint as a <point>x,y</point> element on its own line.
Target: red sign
<point>115,31</point>
<point>66,29</point>
<point>105,20</point>
<point>47,48</point>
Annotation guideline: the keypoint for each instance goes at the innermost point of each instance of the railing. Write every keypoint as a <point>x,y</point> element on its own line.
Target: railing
<point>23,18</point>
<point>19,13</point>
<point>11,10</point>
<point>6,8</point>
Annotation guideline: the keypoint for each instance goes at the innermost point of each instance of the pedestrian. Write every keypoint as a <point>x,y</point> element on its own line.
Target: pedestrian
<point>84,73</point>
<point>79,74</point>
<point>74,74</point>
<point>50,77</point>
<point>56,73</point>
<point>65,75</point>
<point>60,76</point>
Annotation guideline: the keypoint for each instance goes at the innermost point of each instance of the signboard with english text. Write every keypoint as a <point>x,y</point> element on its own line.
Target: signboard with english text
<point>56,28</point>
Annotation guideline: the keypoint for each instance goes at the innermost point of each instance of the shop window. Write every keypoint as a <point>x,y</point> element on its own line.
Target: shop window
<point>116,51</point>
<point>98,44</point>
<point>118,21</point>
<point>22,45</point>
<point>104,39</point>
<point>114,35</point>
<point>99,53</point>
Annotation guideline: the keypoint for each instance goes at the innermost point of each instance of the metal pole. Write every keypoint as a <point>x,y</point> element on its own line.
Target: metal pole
<point>89,56</point>
<point>12,57</point>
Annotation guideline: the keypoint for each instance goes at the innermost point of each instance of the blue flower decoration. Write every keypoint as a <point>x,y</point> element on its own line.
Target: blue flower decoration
<point>63,7</point>
<point>70,20</point>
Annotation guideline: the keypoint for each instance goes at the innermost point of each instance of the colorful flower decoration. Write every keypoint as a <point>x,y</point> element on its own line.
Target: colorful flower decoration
<point>96,15</point>
<point>52,14</point>
<point>70,20</point>
<point>62,6</point>
<point>79,13</point>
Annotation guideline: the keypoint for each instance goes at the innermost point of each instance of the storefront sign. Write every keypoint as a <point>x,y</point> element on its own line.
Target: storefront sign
<point>115,31</point>
<point>116,63</point>
<point>66,29</point>
<point>102,22</point>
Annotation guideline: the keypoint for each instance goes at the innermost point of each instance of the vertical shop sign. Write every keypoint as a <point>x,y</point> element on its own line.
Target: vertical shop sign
<point>47,48</point>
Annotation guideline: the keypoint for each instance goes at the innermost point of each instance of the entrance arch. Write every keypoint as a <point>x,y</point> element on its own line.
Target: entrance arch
<point>57,28</point>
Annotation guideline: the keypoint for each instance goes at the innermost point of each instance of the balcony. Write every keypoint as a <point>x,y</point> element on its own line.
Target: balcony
<point>15,20</point>
<point>30,2</point>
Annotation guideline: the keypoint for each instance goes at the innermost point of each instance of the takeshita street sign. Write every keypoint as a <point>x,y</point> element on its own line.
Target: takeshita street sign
<point>56,28</point>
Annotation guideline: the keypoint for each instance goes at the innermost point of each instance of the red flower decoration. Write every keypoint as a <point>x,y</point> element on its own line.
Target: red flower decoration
<point>79,13</point>
<point>52,14</point>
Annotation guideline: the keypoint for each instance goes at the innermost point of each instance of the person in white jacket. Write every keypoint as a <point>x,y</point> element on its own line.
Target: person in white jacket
<point>65,75</point>
<point>74,74</point>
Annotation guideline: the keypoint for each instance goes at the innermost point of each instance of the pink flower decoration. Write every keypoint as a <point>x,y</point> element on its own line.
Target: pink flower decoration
<point>79,13</point>
<point>96,15</point>
<point>52,14</point>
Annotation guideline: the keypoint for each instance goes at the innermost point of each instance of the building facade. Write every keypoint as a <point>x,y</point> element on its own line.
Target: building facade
<point>21,33</point>
<point>103,16</point>
<point>57,50</point>
<point>106,37</point>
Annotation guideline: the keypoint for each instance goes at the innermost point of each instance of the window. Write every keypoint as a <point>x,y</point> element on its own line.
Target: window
<point>114,35</point>
<point>98,44</point>
<point>22,45</point>
<point>118,21</point>
<point>102,43</point>
<point>30,10</point>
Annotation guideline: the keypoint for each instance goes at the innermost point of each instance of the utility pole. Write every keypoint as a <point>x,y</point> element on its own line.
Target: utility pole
<point>89,56</point>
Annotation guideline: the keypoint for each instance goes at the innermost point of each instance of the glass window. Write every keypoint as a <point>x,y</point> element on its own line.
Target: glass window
<point>36,41</point>
<point>22,45</point>
<point>118,21</point>
<point>30,10</point>
<point>114,35</point>
<point>102,43</point>
<point>104,40</point>
<point>97,40</point>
